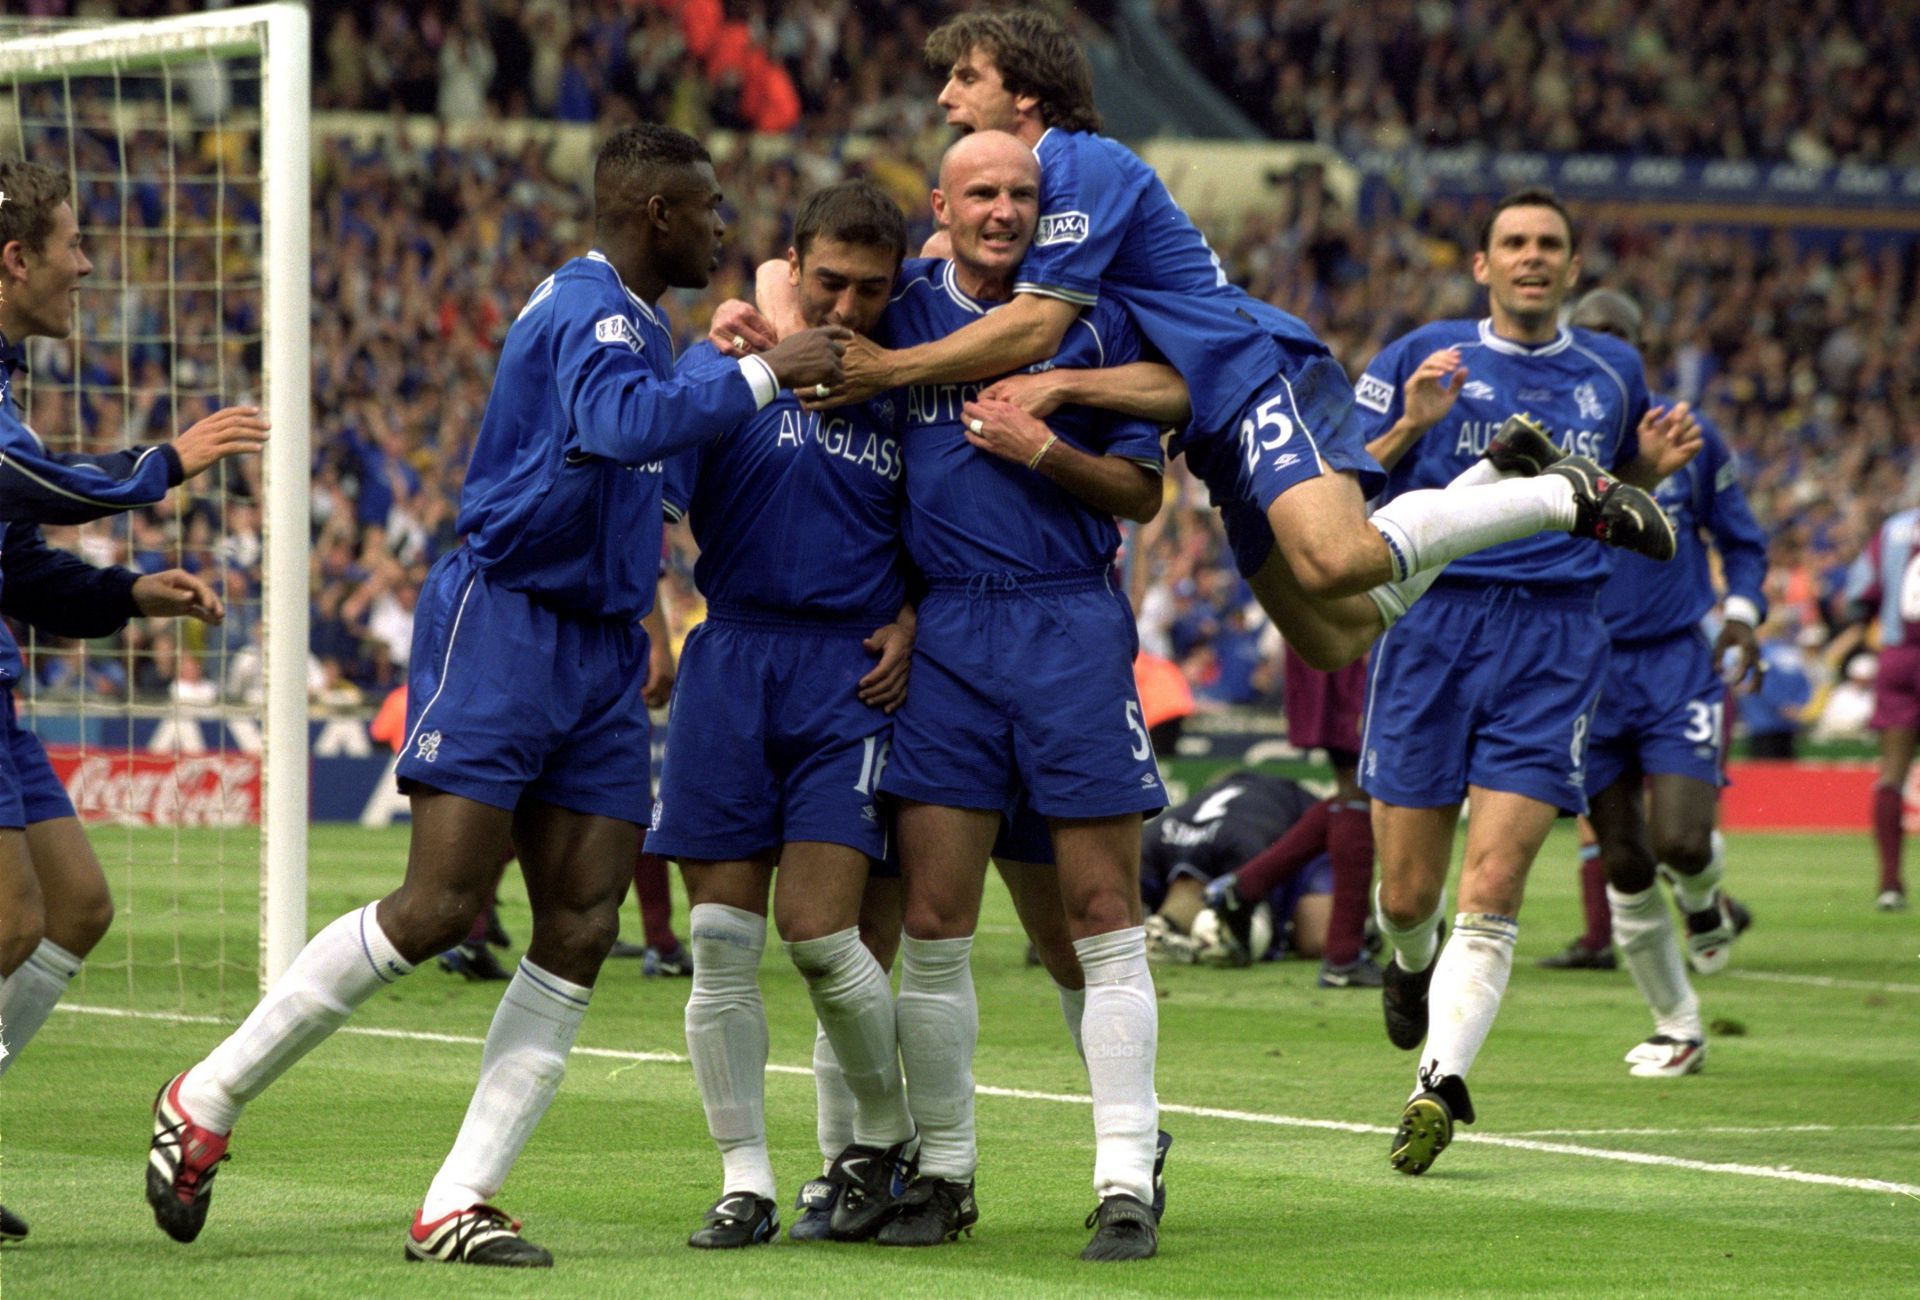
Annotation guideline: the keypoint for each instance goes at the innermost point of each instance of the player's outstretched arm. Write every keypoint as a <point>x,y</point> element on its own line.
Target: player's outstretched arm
<point>1027,330</point>
<point>621,411</point>
<point>47,487</point>
<point>175,593</point>
<point>61,594</point>
<point>231,431</point>
<point>1145,390</point>
<point>1112,484</point>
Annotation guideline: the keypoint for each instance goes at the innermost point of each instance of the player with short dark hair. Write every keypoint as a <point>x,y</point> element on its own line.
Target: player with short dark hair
<point>1655,761</point>
<point>54,903</point>
<point>526,719</point>
<point>780,734</point>
<point>1486,690</point>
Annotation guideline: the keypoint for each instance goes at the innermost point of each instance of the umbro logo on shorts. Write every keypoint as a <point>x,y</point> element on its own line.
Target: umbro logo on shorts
<point>429,747</point>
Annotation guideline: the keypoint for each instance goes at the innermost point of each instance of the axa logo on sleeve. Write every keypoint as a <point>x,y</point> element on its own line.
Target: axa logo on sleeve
<point>618,329</point>
<point>1374,393</point>
<point>1061,228</point>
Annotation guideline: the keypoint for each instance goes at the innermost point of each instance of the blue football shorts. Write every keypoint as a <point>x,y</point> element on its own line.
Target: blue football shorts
<point>1302,417</point>
<point>1662,712</point>
<point>768,742</point>
<point>1024,684</point>
<point>30,791</point>
<point>1491,685</point>
<point>510,699</point>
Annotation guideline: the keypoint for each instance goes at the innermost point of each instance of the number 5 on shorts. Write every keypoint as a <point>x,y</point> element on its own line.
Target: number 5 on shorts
<point>1142,747</point>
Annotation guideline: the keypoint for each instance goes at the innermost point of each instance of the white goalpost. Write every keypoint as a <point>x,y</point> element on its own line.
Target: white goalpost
<point>235,329</point>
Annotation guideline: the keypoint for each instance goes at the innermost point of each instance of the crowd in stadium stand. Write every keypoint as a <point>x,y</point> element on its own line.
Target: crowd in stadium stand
<point>1823,82</point>
<point>1805,350</point>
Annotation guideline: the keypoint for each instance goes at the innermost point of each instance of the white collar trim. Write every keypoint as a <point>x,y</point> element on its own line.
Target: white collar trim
<point>597,256</point>
<point>1561,342</point>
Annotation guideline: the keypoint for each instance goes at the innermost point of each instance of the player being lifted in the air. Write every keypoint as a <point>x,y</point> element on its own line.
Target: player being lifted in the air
<point>1272,432</point>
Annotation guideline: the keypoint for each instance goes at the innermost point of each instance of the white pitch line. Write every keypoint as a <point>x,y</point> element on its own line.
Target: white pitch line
<point>1166,1108</point>
<point>1759,1129</point>
<point>1819,981</point>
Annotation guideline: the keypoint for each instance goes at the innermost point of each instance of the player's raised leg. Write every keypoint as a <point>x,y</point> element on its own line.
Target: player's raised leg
<point>944,854</point>
<point>577,867</point>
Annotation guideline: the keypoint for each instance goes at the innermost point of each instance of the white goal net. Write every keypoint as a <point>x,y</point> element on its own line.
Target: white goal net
<point>185,747</point>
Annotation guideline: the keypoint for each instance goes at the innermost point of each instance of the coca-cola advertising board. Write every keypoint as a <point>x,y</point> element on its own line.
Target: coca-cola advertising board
<point>138,789</point>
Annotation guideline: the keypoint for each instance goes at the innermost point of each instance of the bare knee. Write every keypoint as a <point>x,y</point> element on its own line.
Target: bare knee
<point>1686,849</point>
<point>423,920</point>
<point>80,920</point>
<point>21,930</point>
<point>1407,899</point>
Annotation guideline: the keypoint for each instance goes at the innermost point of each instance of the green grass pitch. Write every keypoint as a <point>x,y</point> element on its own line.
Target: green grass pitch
<point>1792,1164</point>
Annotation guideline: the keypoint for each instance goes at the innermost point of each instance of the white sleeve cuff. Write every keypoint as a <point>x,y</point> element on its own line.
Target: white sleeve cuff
<point>759,376</point>
<point>1741,609</point>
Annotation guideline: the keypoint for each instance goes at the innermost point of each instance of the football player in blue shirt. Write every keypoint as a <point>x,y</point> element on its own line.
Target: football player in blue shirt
<point>526,725</point>
<point>1486,690</point>
<point>1272,431</point>
<point>1654,761</point>
<point>1022,684</point>
<point>780,733</point>
<point>54,904</point>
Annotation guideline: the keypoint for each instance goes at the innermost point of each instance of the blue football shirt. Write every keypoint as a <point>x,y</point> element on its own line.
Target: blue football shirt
<point>971,511</point>
<point>798,512</point>
<point>1109,229</point>
<point>563,494</point>
<point>1588,389</point>
<point>1644,598</point>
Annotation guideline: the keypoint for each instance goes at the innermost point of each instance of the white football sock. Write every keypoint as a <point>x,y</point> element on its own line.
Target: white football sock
<point>1700,891</point>
<point>1478,474</point>
<point>1413,947</point>
<point>939,1024</point>
<point>1394,599</point>
<point>1643,935</point>
<point>1121,1032</point>
<point>27,996</point>
<point>727,1039</point>
<point>1468,981</point>
<point>340,968</point>
<point>1431,527</point>
<point>1073,1009</point>
<point>833,1102</point>
<point>854,1002</point>
<point>520,1069</point>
